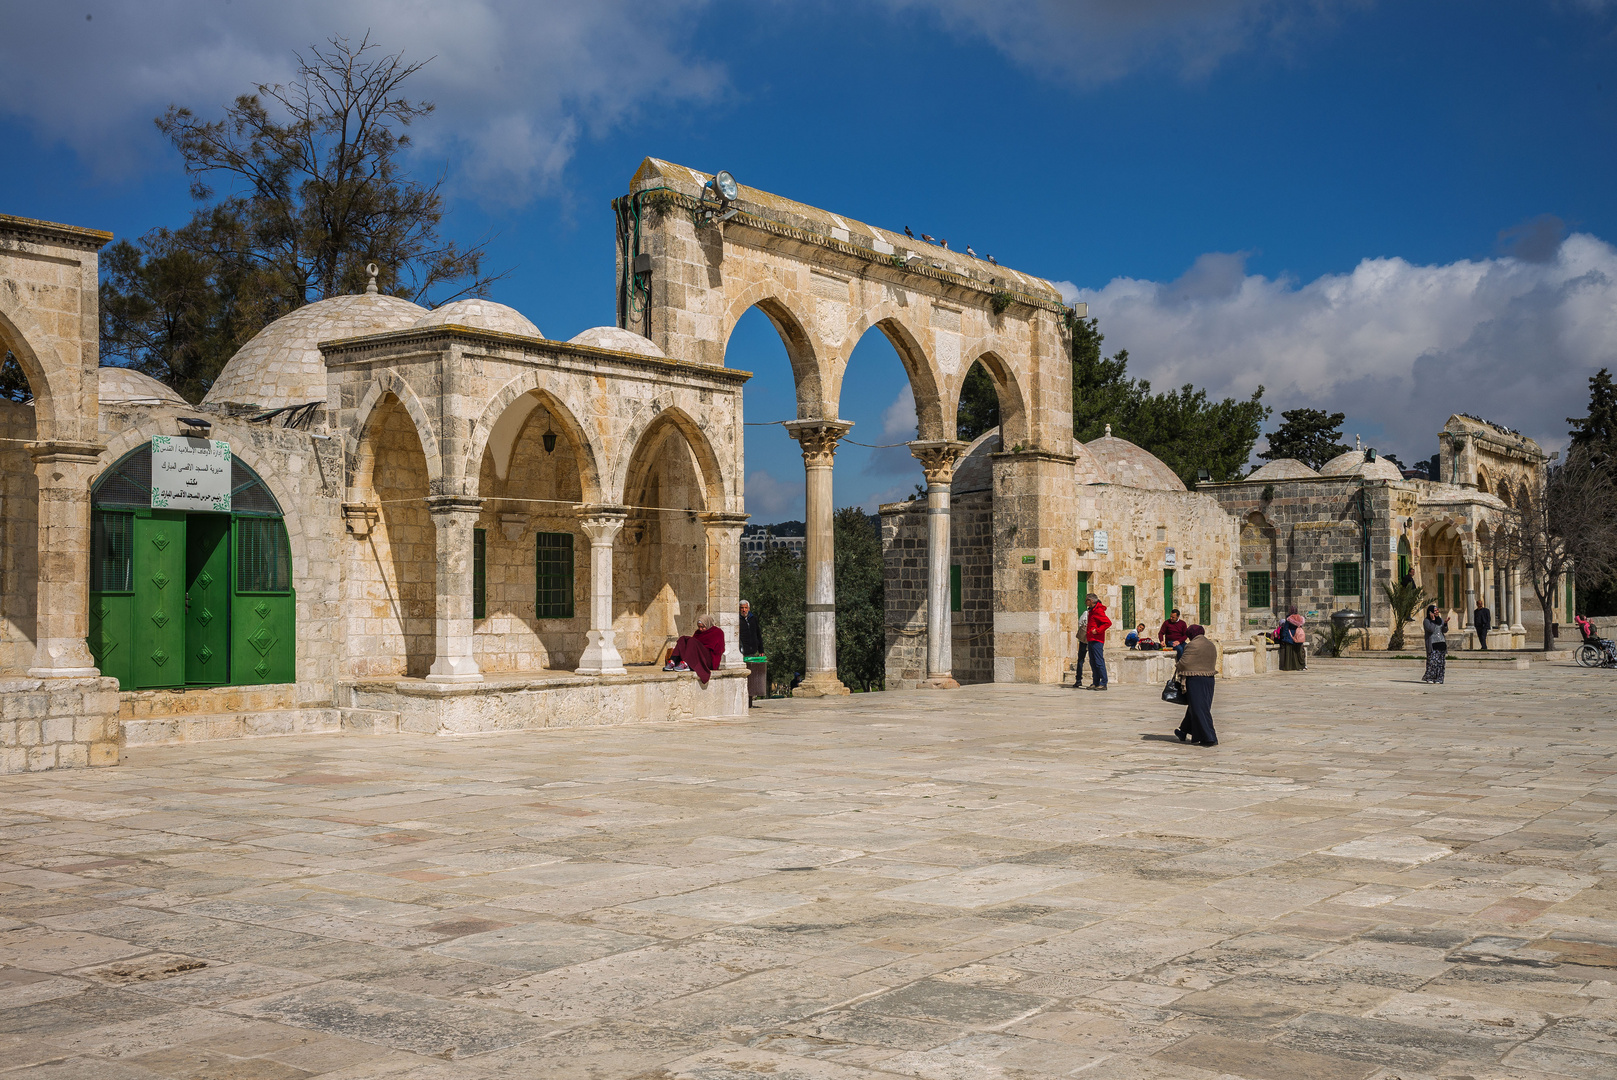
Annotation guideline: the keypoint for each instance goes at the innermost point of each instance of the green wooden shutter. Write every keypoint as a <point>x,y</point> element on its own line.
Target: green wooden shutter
<point>1257,588</point>
<point>112,595</point>
<point>1128,608</point>
<point>479,573</point>
<point>1204,603</point>
<point>158,570</point>
<point>1167,594</point>
<point>263,623</point>
<point>954,587</point>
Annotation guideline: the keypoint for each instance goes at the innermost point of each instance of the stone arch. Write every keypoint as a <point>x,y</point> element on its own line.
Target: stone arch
<point>1523,499</point>
<point>1013,419</point>
<point>1504,495</point>
<point>811,379</point>
<point>661,412</point>
<point>21,333</point>
<point>537,385</point>
<point>394,384</point>
<point>931,419</point>
<point>1483,484</point>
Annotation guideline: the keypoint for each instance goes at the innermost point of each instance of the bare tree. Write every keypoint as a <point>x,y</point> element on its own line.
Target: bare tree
<point>1564,528</point>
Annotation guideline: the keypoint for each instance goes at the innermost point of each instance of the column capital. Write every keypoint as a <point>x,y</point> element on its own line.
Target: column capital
<point>937,458</point>
<point>722,519</point>
<point>601,521</point>
<point>454,504</point>
<point>62,451</point>
<point>818,438</point>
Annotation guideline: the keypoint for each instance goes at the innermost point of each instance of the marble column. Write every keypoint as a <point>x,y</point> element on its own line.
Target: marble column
<point>602,525</point>
<point>819,439</point>
<point>64,471</point>
<point>1516,626</point>
<point>937,460</point>
<point>1469,619</point>
<point>724,579</point>
<point>453,518</point>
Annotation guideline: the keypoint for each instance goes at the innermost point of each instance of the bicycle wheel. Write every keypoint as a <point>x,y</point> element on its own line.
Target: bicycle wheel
<point>1588,655</point>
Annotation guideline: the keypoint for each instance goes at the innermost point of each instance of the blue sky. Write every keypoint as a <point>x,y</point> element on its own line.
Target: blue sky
<point>1395,210</point>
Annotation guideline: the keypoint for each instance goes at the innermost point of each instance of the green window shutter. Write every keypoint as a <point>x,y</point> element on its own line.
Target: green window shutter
<point>158,634</point>
<point>1442,591</point>
<point>1345,579</point>
<point>1257,589</point>
<point>112,601</point>
<point>553,587</point>
<point>1167,594</point>
<point>263,605</point>
<point>1204,603</point>
<point>1083,588</point>
<point>1128,608</point>
<point>954,587</point>
<point>479,573</point>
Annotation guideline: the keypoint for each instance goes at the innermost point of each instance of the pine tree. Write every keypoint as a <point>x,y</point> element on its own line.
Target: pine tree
<point>1312,436</point>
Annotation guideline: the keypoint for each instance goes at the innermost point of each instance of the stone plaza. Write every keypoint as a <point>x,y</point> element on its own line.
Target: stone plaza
<point>1368,878</point>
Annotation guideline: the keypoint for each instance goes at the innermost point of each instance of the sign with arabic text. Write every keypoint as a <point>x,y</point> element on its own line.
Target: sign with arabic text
<point>1100,541</point>
<point>190,474</point>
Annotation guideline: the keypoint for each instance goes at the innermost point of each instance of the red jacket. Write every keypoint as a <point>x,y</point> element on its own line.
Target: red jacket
<point>1098,623</point>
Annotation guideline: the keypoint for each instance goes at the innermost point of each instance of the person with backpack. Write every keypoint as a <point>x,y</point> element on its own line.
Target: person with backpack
<point>1291,636</point>
<point>1096,641</point>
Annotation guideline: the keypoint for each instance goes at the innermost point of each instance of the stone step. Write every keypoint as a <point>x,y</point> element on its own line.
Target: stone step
<point>217,727</point>
<point>369,721</point>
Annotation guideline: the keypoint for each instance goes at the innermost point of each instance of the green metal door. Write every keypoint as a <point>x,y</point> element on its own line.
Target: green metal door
<point>1167,593</point>
<point>158,638</point>
<point>112,595</point>
<point>263,631</point>
<point>207,599</point>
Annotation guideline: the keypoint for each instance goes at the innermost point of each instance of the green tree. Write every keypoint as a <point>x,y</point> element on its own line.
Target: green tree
<point>1185,428</point>
<point>979,404</point>
<point>861,601</point>
<point>1594,439</point>
<point>312,191</point>
<point>13,380</point>
<point>776,588</point>
<point>1312,436</point>
<point>1404,600</point>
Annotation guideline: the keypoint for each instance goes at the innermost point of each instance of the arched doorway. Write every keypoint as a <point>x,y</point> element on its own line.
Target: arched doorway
<point>1403,558</point>
<point>184,598</point>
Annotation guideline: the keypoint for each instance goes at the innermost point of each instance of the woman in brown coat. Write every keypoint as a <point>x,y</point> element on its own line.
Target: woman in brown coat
<point>1195,670</point>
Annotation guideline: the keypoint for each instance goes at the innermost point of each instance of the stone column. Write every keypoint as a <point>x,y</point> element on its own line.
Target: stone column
<point>453,518</point>
<point>724,579</point>
<point>937,460</point>
<point>1516,626</point>
<point>65,470</point>
<point>601,524</point>
<point>818,439</point>
<point>1470,618</point>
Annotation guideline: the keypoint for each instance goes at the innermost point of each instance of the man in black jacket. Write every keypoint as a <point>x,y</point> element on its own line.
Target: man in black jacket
<point>1482,620</point>
<point>752,635</point>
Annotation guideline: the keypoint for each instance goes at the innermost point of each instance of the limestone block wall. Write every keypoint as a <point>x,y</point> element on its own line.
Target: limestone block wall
<point>1035,613</point>
<point>57,723</point>
<point>971,543</point>
<point>904,563</point>
<point>19,539</point>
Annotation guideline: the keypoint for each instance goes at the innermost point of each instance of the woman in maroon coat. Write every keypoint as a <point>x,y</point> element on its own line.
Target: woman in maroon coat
<point>701,652</point>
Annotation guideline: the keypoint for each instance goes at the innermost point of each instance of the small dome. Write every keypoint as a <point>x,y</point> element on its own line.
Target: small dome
<point>1122,463</point>
<point>1352,463</point>
<point>282,364</point>
<point>481,315</point>
<point>618,340</point>
<point>125,386</point>
<point>1283,469</point>
<point>974,471</point>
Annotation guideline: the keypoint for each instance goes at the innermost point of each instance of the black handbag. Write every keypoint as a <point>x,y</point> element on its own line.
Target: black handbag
<point>1173,693</point>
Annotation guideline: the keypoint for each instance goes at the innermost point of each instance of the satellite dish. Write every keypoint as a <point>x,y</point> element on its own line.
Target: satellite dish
<point>726,185</point>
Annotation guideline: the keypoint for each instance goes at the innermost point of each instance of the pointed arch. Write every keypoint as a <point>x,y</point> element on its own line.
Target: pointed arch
<point>1013,418</point>
<point>21,333</point>
<point>391,384</point>
<point>503,418</point>
<point>801,350</point>
<point>932,420</point>
<point>647,427</point>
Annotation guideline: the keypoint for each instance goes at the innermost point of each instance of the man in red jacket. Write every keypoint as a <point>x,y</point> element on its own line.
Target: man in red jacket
<point>1096,640</point>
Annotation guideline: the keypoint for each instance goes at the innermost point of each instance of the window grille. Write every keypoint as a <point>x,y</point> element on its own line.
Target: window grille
<point>1204,603</point>
<point>954,588</point>
<point>1257,588</point>
<point>553,587</point>
<point>263,560</point>
<point>112,538</point>
<point>1128,608</point>
<point>479,573</point>
<point>1345,579</point>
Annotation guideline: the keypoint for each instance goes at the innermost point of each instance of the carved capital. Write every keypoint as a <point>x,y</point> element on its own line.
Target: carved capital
<point>360,518</point>
<point>601,522</point>
<point>819,439</point>
<point>446,508</point>
<point>723,522</point>
<point>938,458</point>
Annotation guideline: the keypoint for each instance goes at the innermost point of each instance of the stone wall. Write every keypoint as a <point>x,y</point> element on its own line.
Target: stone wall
<point>904,569</point>
<point>19,539</point>
<point>57,723</point>
<point>971,543</point>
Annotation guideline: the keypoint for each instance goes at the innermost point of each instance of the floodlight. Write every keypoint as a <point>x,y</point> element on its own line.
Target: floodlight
<point>726,185</point>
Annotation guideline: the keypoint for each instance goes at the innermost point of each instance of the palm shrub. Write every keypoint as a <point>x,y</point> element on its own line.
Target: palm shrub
<point>1406,599</point>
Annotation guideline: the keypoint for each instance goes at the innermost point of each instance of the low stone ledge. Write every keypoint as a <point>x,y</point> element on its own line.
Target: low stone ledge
<point>58,724</point>
<point>226,727</point>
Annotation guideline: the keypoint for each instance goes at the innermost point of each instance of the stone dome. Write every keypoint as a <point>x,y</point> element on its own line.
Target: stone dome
<point>619,340</point>
<point>974,471</point>
<point>481,314</point>
<point>1284,469</point>
<point>125,386</point>
<point>282,364</point>
<point>1352,463</point>
<point>1120,462</point>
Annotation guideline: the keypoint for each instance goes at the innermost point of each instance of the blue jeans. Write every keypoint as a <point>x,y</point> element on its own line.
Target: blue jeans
<point>1097,663</point>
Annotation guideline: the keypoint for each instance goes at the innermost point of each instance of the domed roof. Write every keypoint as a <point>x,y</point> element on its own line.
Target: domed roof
<point>1122,463</point>
<point>282,364</point>
<point>1283,469</point>
<point>481,315</point>
<point>974,471</point>
<point>618,339</point>
<point>125,386</point>
<point>1352,463</point>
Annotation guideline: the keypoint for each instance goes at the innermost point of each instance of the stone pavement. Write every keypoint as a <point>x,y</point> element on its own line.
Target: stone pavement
<point>1370,877</point>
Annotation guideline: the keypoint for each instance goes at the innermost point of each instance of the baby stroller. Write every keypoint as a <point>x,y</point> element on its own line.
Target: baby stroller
<point>1595,651</point>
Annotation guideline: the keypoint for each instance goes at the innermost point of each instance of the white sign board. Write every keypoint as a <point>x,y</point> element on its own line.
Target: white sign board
<point>190,474</point>
<point>1171,558</point>
<point>1100,541</point>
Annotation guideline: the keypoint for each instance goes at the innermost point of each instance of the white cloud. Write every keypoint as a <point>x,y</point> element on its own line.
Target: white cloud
<point>517,85</point>
<point>1089,42</point>
<point>898,425</point>
<point>773,500</point>
<point>1394,345</point>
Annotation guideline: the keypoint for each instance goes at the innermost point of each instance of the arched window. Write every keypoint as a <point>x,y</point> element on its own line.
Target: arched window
<point>1403,558</point>
<point>189,599</point>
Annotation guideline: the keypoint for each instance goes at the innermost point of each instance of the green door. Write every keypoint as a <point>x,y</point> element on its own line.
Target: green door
<point>1167,593</point>
<point>158,637</point>
<point>207,599</point>
<point>112,595</point>
<point>263,624</point>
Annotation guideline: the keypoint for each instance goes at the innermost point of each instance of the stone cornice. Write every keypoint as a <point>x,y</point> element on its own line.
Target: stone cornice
<point>51,232</point>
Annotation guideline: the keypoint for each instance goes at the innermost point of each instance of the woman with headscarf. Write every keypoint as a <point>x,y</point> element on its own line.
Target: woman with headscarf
<point>1293,657</point>
<point>701,652</point>
<point>1437,645</point>
<point>1195,670</point>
